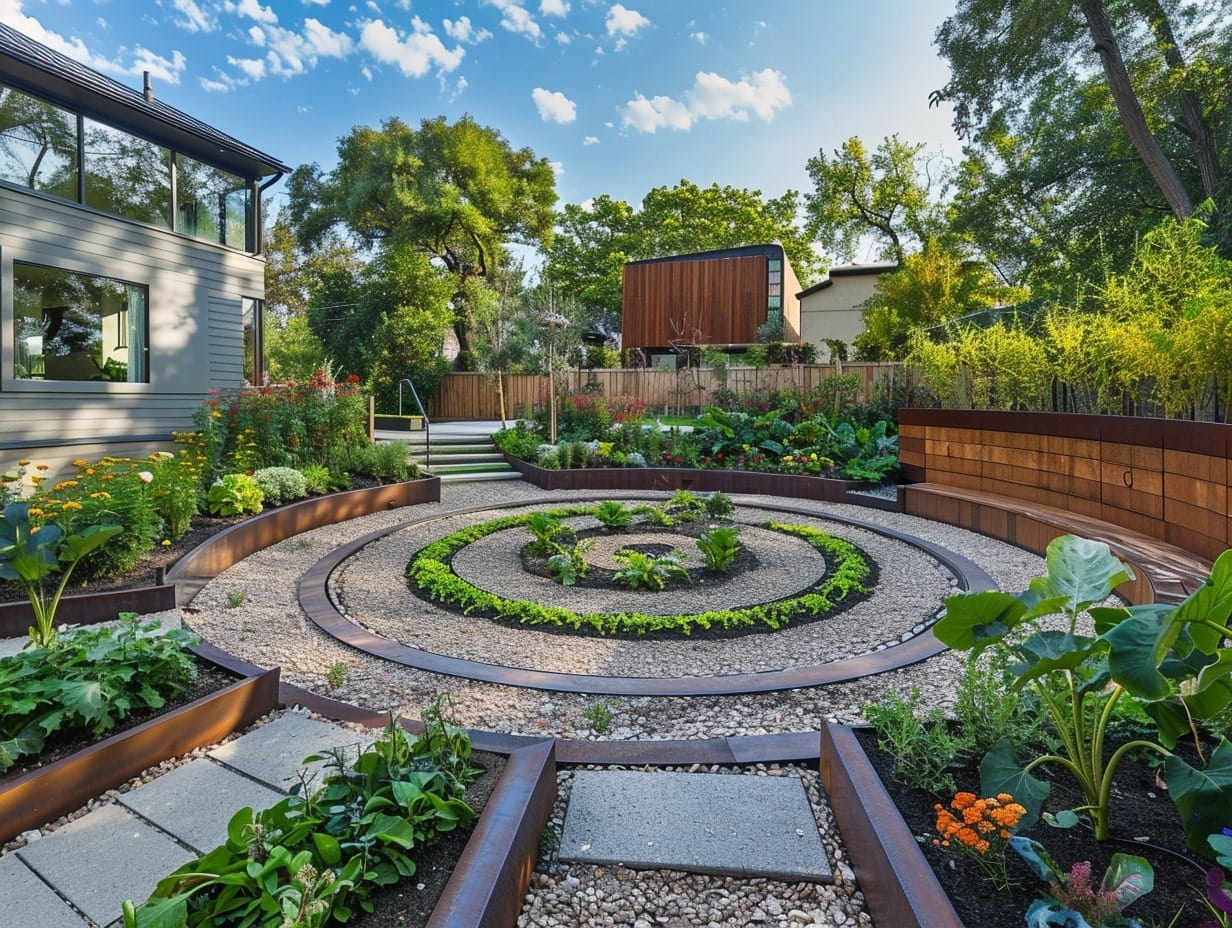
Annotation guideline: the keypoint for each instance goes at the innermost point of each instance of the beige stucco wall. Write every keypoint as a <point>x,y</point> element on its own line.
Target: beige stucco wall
<point>836,311</point>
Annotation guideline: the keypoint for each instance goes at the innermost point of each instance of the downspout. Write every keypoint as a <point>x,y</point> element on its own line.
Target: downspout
<point>258,233</point>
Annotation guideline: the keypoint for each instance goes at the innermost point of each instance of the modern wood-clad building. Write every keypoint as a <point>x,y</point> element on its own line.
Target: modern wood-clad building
<point>131,280</point>
<point>714,298</point>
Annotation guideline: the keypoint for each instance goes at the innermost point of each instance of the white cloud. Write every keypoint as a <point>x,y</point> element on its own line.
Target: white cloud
<point>590,140</point>
<point>554,106</point>
<point>194,18</point>
<point>326,42</point>
<point>699,37</point>
<point>215,86</point>
<point>256,35</point>
<point>316,2</point>
<point>711,97</point>
<point>554,7</point>
<point>626,22</point>
<point>588,205</point>
<point>516,18</point>
<point>415,55</point>
<point>253,10</point>
<point>557,167</point>
<point>160,67</point>
<point>462,30</point>
<point>563,38</point>
<point>366,72</point>
<point>253,68</point>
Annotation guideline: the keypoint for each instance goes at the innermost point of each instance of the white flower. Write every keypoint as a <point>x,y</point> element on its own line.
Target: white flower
<point>145,476</point>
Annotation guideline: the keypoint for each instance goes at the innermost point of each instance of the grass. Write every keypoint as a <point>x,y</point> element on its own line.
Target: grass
<point>679,420</point>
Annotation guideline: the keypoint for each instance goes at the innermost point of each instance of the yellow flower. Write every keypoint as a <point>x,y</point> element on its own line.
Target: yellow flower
<point>101,494</point>
<point>65,485</point>
<point>80,462</point>
<point>72,504</point>
<point>35,511</point>
<point>23,463</point>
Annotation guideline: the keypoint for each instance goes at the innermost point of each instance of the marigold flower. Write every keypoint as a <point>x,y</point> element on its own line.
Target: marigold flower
<point>101,494</point>
<point>23,463</point>
<point>35,511</point>
<point>72,504</point>
<point>80,462</point>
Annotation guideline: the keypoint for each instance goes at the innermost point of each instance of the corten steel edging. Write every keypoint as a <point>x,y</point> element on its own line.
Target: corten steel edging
<point>898,884</point>
<point>314,599</point>
<point>88,608</point>
<point>756,483</point>
<point>489,881</point>
<point>45,794</point>
<point>214,555</point>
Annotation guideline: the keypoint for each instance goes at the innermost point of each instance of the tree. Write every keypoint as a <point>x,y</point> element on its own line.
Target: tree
<point>294,274</point>
<point>890,194</point>
<point>933,286</point>
<point>456,193</point>
<point>1156,70</point>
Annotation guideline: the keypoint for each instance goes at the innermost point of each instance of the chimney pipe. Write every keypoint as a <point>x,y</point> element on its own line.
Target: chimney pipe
<point>149,88</point>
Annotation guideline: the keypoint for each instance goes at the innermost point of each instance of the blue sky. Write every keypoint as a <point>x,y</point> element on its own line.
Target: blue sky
<point>620,97</point>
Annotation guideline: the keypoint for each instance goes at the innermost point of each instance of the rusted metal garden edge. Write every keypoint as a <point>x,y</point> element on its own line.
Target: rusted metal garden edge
<point>85,608</point>
<point>45,794</point>
<point>898,884</point>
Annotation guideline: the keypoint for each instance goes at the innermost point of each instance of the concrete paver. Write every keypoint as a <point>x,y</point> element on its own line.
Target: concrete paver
<point>195,802</point>
<point>28,901</point>
<point>103,858</point>
<point>746,826</point>
<point>275,753</point>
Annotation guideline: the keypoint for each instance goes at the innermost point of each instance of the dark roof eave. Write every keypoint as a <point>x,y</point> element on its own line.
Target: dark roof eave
<point>35,69</point>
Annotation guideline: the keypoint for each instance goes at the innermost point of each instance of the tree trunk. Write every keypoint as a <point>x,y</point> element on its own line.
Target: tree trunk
<point>1130,110</point>
<point>1191,103</point>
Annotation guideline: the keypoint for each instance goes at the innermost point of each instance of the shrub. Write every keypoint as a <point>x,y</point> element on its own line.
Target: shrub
<point>281,484</point>
<point>521,441</point>
<point>320,479</point>
<point>387,460</point>
<point>923,748</point>
<point>235,494</point>
<point>175,491</point>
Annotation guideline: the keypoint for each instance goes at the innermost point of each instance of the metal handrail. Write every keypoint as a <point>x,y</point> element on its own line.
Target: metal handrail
<point>424,413</point>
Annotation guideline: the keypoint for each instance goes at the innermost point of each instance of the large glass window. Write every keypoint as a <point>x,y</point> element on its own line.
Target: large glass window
<point>69,326</point>
<point>213,204</point>
<point>127,175</point>
<point>38,144</point>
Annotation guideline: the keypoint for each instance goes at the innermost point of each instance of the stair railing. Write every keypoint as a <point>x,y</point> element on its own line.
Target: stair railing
<point>424,413</point>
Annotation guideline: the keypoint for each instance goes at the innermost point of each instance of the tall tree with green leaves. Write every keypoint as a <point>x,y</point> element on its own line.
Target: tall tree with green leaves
<point>457,193</point>
<point>891,194</point>
<point>1113,108</point>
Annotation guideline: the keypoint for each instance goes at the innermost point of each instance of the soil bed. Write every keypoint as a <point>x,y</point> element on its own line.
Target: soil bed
<point>1140,810</point>
<point>405,905</point>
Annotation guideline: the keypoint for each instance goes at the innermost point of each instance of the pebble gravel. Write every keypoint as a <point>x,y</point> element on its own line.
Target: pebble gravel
<point>268,628</point>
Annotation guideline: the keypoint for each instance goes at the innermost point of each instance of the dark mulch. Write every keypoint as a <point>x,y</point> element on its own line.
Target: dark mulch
<point>404,904</point>
<point>1141,810</point>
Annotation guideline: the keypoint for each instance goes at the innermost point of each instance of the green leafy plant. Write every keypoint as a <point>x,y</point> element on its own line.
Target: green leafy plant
<point>235,599</point>
<point>719,506</point>
<point>362,826</point>
<point>386,460</point>
<point>1170,658</point>
<point>280,484</point>
<point>925,751</point>
<point>685,506</point>
<point>28,556</point>
<point>91,679</point>
<point>336,676</point>
<point>1072,900</point>
<point>549,533</point>
<point>719,546</point>
<point>988,707</point>
<point>234,495</point>
<point>599,714</point>
<point>319,479</point>
<point>639,570</point>
<point>613,515</point>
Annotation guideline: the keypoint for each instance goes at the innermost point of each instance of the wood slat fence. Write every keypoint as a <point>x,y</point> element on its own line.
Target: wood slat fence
<point>475,396</point>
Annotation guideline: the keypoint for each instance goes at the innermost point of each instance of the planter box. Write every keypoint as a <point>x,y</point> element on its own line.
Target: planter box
<point>898,883</point>
<point>826,489</point>
<point>216,554</point>
<point>398,423</point>
<point>45,794</point>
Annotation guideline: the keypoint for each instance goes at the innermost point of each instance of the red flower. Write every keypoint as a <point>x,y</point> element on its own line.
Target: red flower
<point>352,378</point>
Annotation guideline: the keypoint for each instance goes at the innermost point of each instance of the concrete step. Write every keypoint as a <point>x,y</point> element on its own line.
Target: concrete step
<point>479,475</point>
<point>455,450</point>
<point>444,457</point>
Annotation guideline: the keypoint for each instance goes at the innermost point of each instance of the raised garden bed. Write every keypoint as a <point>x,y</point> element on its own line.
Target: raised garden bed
<point>46,793</point>
<point>901,886</point>
<point>826,489</point>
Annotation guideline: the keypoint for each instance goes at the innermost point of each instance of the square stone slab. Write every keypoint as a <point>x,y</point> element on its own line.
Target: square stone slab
<point>103,858</point>
<point>30,901</point>
<point>195,802</point>
<point>731,825</point>
<point>274,753</point>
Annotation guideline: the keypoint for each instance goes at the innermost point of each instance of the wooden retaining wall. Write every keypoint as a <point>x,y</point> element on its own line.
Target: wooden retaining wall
<point>1167,479</point>
<point>475,396</point>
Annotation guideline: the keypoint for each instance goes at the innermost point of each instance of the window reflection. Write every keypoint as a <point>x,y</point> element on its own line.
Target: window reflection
<point>71,326</point>
<point>38,144</point>
<point>127,175</point>
<point>212,203</point>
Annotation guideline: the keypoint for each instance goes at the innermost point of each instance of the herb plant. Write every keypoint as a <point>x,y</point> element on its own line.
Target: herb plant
<point>719,546</point>
<point>234,495</point>
<point>639,570</point>
<point>924,750</point>
<point>613,515</point>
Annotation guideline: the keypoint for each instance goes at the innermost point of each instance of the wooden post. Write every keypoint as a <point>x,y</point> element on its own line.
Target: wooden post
<point>500,393</point>
<point>372,418</point>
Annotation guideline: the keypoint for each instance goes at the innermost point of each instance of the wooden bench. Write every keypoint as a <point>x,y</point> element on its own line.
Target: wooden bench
<point>1165,572</point>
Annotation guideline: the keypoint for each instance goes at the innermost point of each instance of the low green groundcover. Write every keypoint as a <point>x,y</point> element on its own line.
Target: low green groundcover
<point>431,573</point>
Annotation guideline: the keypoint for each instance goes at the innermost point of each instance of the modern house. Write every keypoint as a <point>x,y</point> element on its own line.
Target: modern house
<point>131,279</point>
<point>716,298</point>
<point>834,308</point>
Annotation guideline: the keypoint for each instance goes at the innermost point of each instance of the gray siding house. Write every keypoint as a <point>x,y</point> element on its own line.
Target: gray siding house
<point>131,279</point>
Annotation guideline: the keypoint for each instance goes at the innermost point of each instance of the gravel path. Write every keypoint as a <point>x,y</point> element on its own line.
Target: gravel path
<point>268,628</point>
